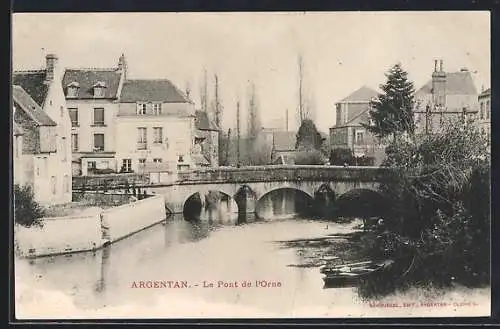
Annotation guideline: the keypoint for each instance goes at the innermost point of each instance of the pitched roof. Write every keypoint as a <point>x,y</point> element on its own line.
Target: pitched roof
<point>33,83</point>
<point>457,83</point>
<point>203,122</point>
<point>486,92</point>
<point>151,91</point>
<point>363,94</point>
<point>86,79</point>
<point>32,109</point>
<point>284,140</point>
<point>17,130</point>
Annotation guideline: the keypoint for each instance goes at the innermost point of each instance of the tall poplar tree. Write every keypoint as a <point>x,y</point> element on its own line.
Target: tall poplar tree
<point>392,110</point>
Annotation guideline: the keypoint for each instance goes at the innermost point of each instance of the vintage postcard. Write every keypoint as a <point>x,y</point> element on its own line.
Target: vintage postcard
<point>251,165</point>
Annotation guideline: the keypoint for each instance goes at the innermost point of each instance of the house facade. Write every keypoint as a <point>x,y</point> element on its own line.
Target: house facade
<point>484,115</point>
<point>446,97</point>
<point>155,123</point>
<point>348,132</point>
<point>92,99</point>
<point>43,149</point>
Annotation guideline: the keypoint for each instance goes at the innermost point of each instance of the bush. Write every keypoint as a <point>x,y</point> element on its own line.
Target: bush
<point>341,156</point>
<point>103,171</point>
<point>439,218</point>
<point>27,211</point>
<point>309,156</point>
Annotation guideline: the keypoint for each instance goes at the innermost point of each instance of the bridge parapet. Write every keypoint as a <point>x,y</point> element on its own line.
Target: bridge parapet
<point>284,173</point>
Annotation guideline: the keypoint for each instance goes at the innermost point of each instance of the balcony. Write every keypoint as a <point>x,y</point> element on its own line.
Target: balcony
<point>98,149</point>
<point>98,124</point>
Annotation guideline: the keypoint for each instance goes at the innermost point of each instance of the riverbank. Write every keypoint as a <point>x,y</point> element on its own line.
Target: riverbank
<point>87,229</point>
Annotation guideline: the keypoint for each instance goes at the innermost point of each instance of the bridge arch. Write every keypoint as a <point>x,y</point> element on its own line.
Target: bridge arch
<point>361,202</point>
<point>212,203</point>
<point>287,201</point>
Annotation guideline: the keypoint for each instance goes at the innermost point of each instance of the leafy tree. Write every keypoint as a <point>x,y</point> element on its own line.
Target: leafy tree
<point>308,136</point>
<point>438,223</point>
<point>27,211</point>
<point>392,110</point>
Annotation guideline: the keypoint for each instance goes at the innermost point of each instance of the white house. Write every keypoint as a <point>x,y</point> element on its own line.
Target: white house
<point>41,114</point>
<point>155,124</point>
<point>92,98</point>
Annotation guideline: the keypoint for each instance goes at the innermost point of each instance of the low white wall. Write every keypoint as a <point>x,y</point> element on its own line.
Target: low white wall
<point>59,235</point>
<point>133,217</point>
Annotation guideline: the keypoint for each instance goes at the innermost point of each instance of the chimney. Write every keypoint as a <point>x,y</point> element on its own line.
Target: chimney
<point>50,65</point>
<point>122,65</point>
<point>438,84</point>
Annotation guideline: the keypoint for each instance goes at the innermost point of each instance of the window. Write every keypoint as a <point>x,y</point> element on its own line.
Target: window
<point>74,142</point>
<point>99,116</point>
<point>488,109</point>
<point>157,160</point>
<point>53,183</point>
<point>142,161</point>
<point>142,142</point>
<point>141,108</point>
<point>66,183</point>
<point>180,158</point>
<point>157,135</point>
<point>98,142</point>
<point>91,165</point>
<point>157,108</point>
<point>481,111</point>
<point>73,115</point>
<point>359,136</point>
<point>72,90</point>
<point>64,149</point>
<point>339,115</point>
<point>99,88</point>
<point>127,165</point>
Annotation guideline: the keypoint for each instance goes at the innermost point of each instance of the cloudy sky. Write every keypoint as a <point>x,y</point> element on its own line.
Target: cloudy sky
<point>341,51</point>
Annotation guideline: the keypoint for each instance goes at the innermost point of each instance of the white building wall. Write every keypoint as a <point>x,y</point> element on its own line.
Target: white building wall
<point>86,130</point>
<point>178,139</point>
<point>59,162</point>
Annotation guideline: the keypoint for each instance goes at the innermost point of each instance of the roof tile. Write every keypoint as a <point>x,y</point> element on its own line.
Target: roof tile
<point>151,91</point>
<point>32,109</point>
<point>457,83</point>
<point>88,78</point>
<point>33,82</point>
<point>363,94</point>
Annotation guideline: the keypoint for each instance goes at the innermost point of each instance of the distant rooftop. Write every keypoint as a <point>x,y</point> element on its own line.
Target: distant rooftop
<point>363,94</point>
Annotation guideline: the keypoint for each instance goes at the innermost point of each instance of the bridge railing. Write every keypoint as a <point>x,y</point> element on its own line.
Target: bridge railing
<point>282,173</point>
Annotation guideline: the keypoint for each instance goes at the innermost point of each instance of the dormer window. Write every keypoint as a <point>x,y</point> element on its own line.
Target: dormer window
<point>72,89</point>
<point>99,89</point>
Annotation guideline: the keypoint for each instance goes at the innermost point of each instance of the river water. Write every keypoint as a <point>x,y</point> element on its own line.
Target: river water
<point>218,268</point>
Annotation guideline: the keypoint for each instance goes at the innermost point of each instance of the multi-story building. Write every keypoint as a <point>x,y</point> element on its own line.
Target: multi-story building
<point>155,123</point>
<point>92,99</point>
<point>42,154</point>
<point>348,133</point>
<point>484,117</point>
<point>447,97</point>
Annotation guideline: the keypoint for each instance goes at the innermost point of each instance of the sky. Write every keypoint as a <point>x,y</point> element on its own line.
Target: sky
<point>341,52</point>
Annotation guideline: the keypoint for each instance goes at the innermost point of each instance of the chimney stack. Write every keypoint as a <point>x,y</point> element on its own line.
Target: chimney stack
<point>441,66</point>
<point>435,65</point>
<point>122,65</point>
<point>50,64</point>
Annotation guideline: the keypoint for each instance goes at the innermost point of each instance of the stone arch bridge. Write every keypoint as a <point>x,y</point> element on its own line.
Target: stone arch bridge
<point>255,182</point>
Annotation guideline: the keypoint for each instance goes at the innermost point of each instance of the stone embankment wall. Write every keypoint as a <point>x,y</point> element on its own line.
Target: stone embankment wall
<point>60,235</point>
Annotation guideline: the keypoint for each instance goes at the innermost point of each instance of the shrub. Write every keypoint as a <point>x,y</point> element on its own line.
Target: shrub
<point>439,218</point>
<point>309,156</point>
<point>27,211</point>
<point>341,156</point>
